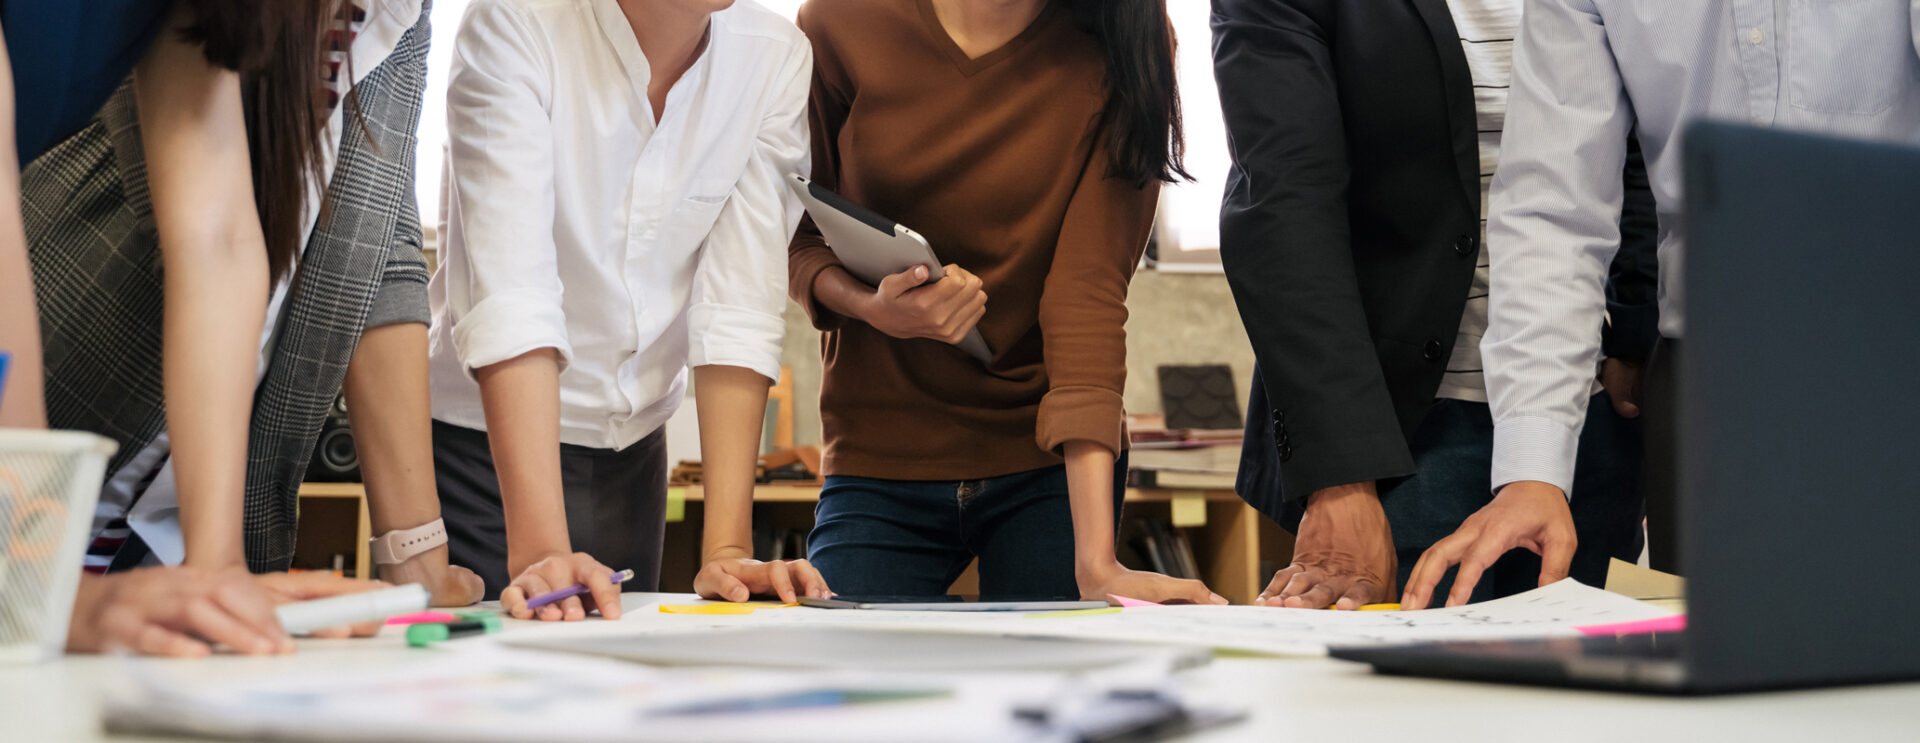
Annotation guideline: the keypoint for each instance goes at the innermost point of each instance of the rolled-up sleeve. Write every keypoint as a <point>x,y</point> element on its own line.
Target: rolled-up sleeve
<point>1083,308</point>
<point>740,286</point>
<point>504,289</point>
<point>1553,228</point>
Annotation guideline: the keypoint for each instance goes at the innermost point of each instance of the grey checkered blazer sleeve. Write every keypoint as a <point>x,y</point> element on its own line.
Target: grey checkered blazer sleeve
<point>403,286</point>
<point>362,267</point>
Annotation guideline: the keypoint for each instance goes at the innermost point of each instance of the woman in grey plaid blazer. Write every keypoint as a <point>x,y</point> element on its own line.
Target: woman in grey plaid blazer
<point>354,316</point>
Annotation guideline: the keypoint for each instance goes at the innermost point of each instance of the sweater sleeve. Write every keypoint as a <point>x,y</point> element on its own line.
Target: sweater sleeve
<point>1083,307</point>
<point>830,98</point>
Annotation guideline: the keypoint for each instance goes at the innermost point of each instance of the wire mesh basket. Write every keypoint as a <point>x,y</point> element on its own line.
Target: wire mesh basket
<point>49,481</point>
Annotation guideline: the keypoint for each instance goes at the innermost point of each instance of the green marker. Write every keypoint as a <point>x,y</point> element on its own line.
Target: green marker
<point>426,633</point>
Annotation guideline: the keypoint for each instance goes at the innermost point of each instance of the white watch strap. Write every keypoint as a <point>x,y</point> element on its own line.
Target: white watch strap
<point>400,545</point>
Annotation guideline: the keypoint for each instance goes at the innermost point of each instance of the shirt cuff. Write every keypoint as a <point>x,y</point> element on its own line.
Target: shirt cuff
<point>509,324</point>
<point>1081,414</point>
<point>723,335</point>
<point>402,297</point>
<point>1534,448</point>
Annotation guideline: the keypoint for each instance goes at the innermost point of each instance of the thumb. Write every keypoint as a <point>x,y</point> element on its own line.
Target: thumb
<point>725,586</point>
<point>1625,407</point>
<point>1197,592</point>
<point>473,586</point>
<point>1556,560</point>
<point>900,283</point>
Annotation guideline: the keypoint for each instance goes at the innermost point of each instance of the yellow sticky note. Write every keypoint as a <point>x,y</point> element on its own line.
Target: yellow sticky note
<point>1189,508</point>
<point>720,608</point>
<point>676,505</point>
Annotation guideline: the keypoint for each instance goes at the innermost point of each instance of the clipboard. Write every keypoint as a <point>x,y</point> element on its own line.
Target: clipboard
<point>872,247</point>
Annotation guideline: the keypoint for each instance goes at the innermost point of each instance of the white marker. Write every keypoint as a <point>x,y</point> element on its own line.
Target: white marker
<point>339,611</point>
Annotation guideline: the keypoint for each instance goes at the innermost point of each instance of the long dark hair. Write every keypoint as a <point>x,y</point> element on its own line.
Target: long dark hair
<point>1142,114</point>
<point>278,47</point>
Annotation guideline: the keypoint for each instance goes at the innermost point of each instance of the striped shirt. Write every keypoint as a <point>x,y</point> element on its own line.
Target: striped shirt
<point>1486,29</point>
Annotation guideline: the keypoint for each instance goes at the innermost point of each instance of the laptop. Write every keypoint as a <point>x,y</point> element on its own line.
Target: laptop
<point>1799,428</point>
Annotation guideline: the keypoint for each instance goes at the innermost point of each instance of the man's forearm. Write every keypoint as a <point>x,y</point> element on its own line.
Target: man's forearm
<point>521,397</point>
<point>732,406</point>
<point>388,399</point>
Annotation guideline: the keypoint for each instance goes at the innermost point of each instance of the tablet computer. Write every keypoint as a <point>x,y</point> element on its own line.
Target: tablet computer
<point>872,247</point>
<point>954,603</point>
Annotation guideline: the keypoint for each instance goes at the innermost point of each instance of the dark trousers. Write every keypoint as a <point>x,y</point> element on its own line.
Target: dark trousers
<point>1453,456</point>
<point>616,505</point>
<point>1661,390</point>
<point>899,537</point>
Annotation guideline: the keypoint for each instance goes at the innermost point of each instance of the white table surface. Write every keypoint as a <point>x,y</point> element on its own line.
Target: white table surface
<point>1307,700</point>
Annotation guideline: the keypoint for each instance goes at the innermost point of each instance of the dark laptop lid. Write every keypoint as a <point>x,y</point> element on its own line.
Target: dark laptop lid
<point>1800,409</point>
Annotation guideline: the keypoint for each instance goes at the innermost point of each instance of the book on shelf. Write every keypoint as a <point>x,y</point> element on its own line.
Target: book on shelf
<point>1185,459</point>
<point>1180,479</point>
<point>1163,548</point>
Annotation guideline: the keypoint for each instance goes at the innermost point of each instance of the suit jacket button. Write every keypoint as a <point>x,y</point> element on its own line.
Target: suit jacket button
<point>1466,245</point>
<point>1432,352</point>
<point>1286,452</point>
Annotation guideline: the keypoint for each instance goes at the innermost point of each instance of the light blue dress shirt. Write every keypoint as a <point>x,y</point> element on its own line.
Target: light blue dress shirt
<point>1584,73</point>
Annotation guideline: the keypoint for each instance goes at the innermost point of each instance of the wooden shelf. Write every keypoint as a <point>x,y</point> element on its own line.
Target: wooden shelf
<point>326,509</point>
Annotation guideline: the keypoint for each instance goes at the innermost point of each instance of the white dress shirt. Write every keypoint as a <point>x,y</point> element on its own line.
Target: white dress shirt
<point>1585,72</point>
<point>573,221</point>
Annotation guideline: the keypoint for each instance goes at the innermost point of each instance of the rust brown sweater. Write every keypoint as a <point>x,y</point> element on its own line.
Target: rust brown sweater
<point>997,162</point>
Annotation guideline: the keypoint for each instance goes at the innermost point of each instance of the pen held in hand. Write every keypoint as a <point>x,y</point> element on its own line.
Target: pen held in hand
<point>573,590</point>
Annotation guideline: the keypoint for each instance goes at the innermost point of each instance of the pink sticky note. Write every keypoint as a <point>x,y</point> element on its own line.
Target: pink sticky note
<point>1673,623</point>
<point>1128,603</point>
<point>423,617</point>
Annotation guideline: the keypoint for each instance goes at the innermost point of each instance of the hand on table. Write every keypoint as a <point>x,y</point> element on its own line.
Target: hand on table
<point>185,612</point>
<point>1344,554</point>
<point>737,578</point>
<point>906,306</point>
<point>451,585</point>
<point>557,572</point>
<point>1621,378</point>
<point>286,588</point>
<point>1116,580</point>
<point>1526,514</point>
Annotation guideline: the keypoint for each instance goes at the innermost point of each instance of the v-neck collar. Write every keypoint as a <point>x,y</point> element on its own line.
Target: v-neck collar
<point>626,46</point>
<point>970,65</point>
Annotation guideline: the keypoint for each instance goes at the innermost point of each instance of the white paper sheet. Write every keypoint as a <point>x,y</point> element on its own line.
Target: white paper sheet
<point>481,693</point>
<point>1553,610</point>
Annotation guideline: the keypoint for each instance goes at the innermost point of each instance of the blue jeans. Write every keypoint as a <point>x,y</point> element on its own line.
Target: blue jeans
<point>913,538</point>
<point>1453,456</point>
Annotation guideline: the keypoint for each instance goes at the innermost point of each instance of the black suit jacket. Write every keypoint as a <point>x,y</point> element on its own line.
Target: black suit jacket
<point>1350,229</point>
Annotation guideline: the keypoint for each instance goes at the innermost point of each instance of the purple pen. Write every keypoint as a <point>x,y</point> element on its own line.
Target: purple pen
<point>573,590</point>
